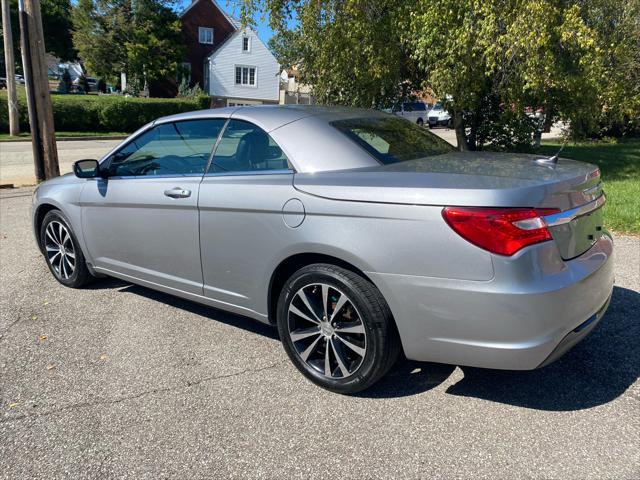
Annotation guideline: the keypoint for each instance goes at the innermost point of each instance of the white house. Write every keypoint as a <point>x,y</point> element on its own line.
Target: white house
<point>242,71</point>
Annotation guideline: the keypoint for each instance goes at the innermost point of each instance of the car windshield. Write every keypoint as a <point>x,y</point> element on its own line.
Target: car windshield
<point>438,106</point>
<point>392,140</point>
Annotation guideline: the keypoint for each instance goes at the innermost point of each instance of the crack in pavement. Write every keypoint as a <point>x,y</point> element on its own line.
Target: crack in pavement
<point>184,385</point>
<point>10,326</point>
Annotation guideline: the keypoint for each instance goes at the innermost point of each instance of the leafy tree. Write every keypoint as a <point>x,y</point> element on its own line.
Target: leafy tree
<point>616,25</point>
<point>487,60</point>
<point>56,25</point>
<point>140,38</point>
<point>351,52</point>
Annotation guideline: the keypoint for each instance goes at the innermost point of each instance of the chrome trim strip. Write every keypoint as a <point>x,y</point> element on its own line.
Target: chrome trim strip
<point>150,177</point>
<point>568,215</point>
<point>250,172</point>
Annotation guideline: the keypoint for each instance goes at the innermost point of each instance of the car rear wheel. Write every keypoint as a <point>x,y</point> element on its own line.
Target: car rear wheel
<point>420,122</point>
<point>62,251</point>
<point>336,328</point>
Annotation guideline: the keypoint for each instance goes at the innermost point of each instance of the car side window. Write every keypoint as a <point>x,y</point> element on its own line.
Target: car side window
<point>245,147</point>
<point>178,148</point>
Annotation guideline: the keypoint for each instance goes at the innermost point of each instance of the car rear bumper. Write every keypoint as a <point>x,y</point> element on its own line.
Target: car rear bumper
<point>532,311</point>
<point>576,335</point>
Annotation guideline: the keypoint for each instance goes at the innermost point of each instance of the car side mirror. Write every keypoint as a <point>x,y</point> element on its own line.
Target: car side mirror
<point>87,168</point>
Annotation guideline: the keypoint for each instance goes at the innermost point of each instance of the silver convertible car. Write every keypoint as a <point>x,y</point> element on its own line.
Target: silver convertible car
<point>361,235</point>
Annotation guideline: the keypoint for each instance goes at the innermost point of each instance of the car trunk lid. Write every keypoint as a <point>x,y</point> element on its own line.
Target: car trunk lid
<point>478,179</point>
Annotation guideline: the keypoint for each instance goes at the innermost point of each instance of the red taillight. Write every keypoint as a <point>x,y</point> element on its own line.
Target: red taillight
<point>500,230</point>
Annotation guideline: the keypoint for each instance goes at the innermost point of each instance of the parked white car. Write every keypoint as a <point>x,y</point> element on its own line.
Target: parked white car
<point>413,111</point>
<point>439,117</point>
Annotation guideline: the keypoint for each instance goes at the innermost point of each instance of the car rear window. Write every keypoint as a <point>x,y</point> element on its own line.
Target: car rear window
<point>391,139</point>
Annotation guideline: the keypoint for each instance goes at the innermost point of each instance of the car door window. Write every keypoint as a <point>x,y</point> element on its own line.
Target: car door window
<point>245,147</point>
<point>178,148</point>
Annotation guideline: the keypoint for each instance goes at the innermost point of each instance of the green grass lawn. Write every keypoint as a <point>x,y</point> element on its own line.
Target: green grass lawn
<point>619,164</point>
<point>5,137</point>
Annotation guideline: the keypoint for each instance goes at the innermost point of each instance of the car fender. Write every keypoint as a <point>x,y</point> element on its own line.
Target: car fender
<point>67,200</point>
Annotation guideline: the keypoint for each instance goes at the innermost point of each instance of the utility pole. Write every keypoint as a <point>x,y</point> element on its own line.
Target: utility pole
<point>12,100</point>
<point>43,140</point>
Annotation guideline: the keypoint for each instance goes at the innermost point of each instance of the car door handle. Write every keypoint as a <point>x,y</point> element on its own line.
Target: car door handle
<point>177,192</point>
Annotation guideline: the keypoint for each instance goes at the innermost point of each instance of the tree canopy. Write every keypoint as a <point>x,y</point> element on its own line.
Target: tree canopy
<point>141,38</point>
<point>487,60</point>
<point>56,24</point>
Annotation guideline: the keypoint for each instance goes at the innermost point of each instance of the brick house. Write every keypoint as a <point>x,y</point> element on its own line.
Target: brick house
<point>230,63</point>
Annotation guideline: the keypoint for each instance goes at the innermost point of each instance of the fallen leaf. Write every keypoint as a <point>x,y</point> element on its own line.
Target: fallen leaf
<point>46,302</point>
<point>43,338</point>
<point>51,366</point>
<point>35,317</point>
<point>104,356</point>
<point>12,406</point>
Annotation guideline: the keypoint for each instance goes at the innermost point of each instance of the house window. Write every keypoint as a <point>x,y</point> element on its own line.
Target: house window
<point>246,44</point>
<point>246,76</point>
<point>205,35</point>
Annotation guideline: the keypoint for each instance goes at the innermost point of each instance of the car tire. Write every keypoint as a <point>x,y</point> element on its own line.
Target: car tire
<point>344,344</point>
<point>431,126</point>
<point>62,251</point>
<point>420,122</point>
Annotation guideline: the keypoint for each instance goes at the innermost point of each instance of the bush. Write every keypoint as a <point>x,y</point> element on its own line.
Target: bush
<point>184,91</point>
<point>93,113</point>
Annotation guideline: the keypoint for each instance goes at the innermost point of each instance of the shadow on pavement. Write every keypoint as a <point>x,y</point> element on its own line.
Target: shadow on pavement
<point>221,316</point>
<point>594,372</point>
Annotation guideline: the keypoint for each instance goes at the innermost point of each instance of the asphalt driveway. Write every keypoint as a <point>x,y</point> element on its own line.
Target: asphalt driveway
<point>121,381</point>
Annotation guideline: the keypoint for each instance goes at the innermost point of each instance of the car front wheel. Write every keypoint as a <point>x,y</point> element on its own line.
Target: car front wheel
<point>336,328</point>
<point>62,251</point>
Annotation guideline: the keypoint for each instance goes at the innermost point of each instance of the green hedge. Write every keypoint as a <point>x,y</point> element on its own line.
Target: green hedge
<point>102,113</point>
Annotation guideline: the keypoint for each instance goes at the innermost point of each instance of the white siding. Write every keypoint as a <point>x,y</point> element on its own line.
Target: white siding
<point>224,60</point>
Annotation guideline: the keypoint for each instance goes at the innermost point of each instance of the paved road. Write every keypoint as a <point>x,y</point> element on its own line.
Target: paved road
<point>119,381</point>
<point>16,158</point>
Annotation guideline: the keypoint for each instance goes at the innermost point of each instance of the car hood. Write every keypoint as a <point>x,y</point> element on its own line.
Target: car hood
<point>461,179</point>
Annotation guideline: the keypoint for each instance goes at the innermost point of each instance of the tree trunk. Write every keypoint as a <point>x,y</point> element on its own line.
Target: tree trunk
<point>458,125</point>
<point>548,121</point>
